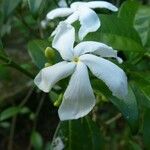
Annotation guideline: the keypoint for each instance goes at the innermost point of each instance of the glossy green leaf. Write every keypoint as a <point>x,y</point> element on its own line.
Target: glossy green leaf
<point>9,112</point>
<point>8,6</point>
<point>36,51</point>
<point>143,100</point>
<point>36,140</point>
<point>129,108</point>
<point>128,11</point>
<point>146,128</point>
<point>142,24</point>
<point>34,6</point>
<point>115,32</point>
<point>80,134</point>
<point>142,80</point>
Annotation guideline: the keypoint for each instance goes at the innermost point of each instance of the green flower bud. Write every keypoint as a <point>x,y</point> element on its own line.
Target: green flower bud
<point>58,101</point>
<point>49,53</point>
<point>47,64</point>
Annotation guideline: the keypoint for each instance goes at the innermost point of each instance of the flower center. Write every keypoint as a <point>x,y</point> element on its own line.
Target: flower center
<point>76,59</point>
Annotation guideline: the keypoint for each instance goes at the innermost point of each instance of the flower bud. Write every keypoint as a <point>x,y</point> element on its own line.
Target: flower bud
<point>47,64</point>
<point>58,101</point>
<point>49,53</point>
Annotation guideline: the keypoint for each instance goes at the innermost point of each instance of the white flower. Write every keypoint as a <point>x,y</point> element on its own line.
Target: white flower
<point>83,12</point>
<point>62,3</point>
<point>78,98</point>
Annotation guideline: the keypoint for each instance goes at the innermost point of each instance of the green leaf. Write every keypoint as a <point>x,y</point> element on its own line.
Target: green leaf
<point>142,24</point>
<point>128,11</point>
<point>142,98</point>
<point>36,140</point>
<point>34,6</point>
<point>80,134</point>
<point>128,107</point>
<point>146,128</point>
<point>117,33</point>
<point>8,6</point>
<point>2,52</point>
<point>142,81</point>
<point>134,146</point>
<point>36,51</point>
<point>9,112</point>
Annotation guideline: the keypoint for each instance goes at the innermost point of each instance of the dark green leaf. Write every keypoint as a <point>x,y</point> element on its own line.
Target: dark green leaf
<point>128,11</point>
<point>143,100</point>
<point>36,140</point>
<point>8,6</point>
<point>34,6</point>
<point>80,134</point>
<point>9,112</point>
<point>36,51</point>
<point>146,128</point>
<point>129,109</point>
<point>1,48</point>
<point>142,24</point>
<point>115,32</point>
<point>134,146</point>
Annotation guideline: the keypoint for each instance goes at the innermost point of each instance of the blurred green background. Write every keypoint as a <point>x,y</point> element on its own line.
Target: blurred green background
<point>28,117</point>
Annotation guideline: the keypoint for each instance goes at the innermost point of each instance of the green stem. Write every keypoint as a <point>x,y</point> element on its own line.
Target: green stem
<point>16,66</point>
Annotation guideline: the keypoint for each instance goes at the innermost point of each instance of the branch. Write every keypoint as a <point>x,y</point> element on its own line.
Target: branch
<point>12,64</point>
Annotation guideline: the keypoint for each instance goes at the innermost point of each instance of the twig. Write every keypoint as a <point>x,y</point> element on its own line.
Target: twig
<point>36,115</point>
<point>118,116</point>
<point>12,131</point>
<point>14,119</point>
<point>16,66</point>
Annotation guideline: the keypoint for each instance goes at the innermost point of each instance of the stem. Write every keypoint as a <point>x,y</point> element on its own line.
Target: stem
<point>16,66</point>
<point>36,116</point>
<point>118,116</point>
<point>12,131</point>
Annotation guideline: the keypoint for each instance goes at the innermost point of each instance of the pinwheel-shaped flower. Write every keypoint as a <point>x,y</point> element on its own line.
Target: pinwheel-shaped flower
<point>78,98</point>
<point>83,12</point>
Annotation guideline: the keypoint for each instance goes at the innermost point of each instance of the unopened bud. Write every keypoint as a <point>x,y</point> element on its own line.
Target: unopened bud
<point>49,53</point>
<point>47,64</point>
<point>58,101</point>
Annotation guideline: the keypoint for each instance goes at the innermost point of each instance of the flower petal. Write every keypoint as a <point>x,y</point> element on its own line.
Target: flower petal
<point>77,5</point>
<point>102,4</point>
<point>89,22</point>
<point>97,48</point>
<point>59,12</point>
<point>113,76</point>
<point>79,98</point>
<point>73,17</point>
<point>48,77</point>
<point>64,40</point>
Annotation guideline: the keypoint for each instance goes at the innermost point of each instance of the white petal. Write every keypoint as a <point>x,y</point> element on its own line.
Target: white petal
<point>113,76</point>
<point>97,48</point>
<point>59,12</point>
<point>102,4</point>
<point>77,5</point>
<point>62,3</point>
<point>48,77</point>
<point>89,22</point>
<point>72,18</point>
<point>79,98</point>
<point>64,40</point>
